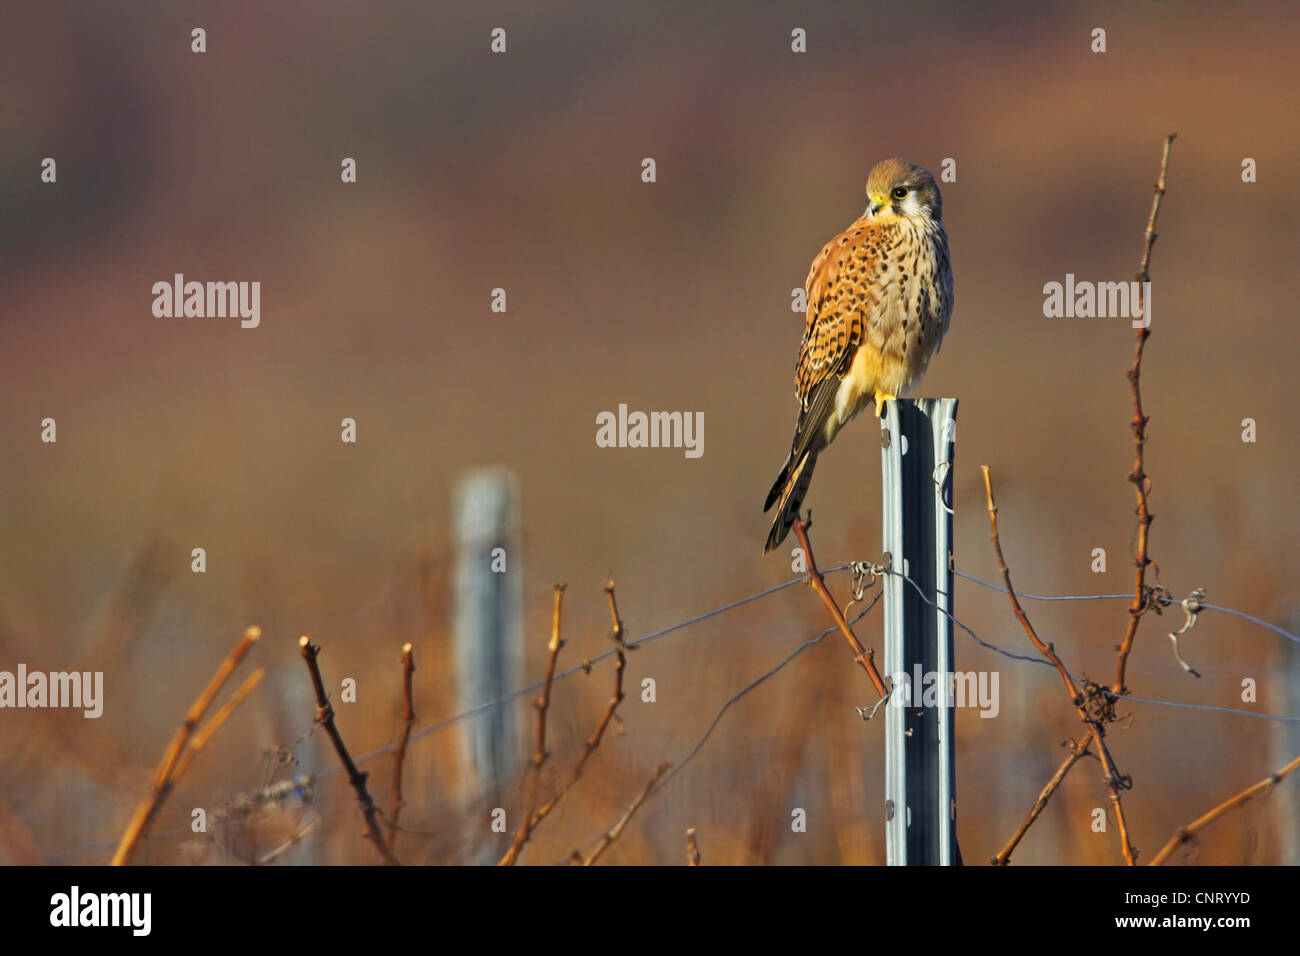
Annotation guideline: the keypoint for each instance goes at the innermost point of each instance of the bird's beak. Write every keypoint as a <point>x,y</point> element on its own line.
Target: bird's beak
<point>878,202</point>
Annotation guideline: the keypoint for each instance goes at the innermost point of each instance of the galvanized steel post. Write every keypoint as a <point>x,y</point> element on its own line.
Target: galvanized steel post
<point>917,437</point>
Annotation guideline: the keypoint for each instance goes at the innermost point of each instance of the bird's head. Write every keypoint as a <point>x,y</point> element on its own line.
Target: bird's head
<point>897,188</point>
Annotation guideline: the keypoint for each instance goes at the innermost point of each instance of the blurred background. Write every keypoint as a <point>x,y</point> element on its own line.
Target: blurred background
<point>522,171</point>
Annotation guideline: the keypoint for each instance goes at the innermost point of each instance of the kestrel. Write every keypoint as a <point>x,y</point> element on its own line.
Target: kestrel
<point>879,300</point>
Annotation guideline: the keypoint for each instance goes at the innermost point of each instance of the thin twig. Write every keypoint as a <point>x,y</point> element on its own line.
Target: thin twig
<point>293,840</point>
<point>1184,834</point>
<point>620,663</point>
<point>541,754</point>
<point>215,722</point>
<point>325,717</point>
<point>860,654</point>
<point>692,848</point>
<point>1094,716</point>
<point>544,702</point>
<point>1077,752</point>
<point>1142,598</point>
<point>162,778</point>
<point>1047,650</point>
<point>1138,476</point>
<point>614,832</point>
<point>399,756</point>
<point>734,698</point>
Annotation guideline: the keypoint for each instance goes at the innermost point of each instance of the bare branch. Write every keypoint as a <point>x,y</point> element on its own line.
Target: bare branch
<point>863,656</point>
<point>204,733</point>
<point>614,832</point>
<point>325,717</point>
<point>399,756</point>
<point>1077,752</point>
<point>1138,476</point>
<point>541,754</point>
<point>620,663</point>
<point>1184,834</point>
<point>544,702</point>
<point>164,774</point>
<point>1047,650</point>
<point>1095,709</point>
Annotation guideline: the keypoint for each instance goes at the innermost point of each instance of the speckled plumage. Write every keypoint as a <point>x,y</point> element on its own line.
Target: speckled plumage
<point>879,300</point>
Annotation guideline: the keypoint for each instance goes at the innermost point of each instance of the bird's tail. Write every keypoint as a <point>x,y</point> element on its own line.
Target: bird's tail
<point>788,493</point>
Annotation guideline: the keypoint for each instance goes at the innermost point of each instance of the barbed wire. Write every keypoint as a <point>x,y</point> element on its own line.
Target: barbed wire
<point>978,640</point>
<point>1163,599</point>
<point>753,684</point>
<point>664,779</point>
<point>1189,706</point>
<point>856,567</point>
<point>1254,620</point>
<point>1045,597</point>
<point>587,664</point>
<point>584,667</point>
<point>1042,660</point>
<point>672,771</point>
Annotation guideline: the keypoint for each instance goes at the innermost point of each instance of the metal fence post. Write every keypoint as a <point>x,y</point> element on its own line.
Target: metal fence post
<point>916,467</point>
<point>487,622</point>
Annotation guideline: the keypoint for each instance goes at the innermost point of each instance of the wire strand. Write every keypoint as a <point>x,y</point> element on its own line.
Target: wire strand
<point>978,640</point>
<point>1044,597</point>
<point>1254,620</point>
<point>1166,601</point>
<point>585,666</point>
<point>672,771</point>
<point>1281,718</point>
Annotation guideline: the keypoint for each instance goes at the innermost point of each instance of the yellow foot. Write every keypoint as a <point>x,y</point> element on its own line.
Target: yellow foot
<point>881,398</point>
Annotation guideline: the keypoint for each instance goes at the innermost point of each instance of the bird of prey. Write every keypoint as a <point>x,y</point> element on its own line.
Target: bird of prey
<point>879,300</point>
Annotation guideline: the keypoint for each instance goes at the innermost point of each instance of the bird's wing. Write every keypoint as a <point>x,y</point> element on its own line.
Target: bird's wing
<point>846,300</point>
<point>846,305</point>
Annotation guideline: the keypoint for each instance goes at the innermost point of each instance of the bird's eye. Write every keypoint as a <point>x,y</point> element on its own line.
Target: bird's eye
<point>899,192</point>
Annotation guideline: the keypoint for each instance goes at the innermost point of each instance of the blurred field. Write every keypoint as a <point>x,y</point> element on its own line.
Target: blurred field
<point>522,171</point>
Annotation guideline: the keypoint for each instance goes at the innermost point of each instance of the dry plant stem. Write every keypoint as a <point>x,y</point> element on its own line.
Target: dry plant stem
<point>543,705</point>
<point>399,756</point>
<point>325,717</point>
<point>1111,773</point>
<point>1076,754</point>
<point>1138,475</point>
<point>620,663</point>
<point>1184,834</point>
<point>1139,479</point>
<point>863,656</point>
<point>692,848</point>
<point>162,778</point>
<point>204,733</point>
<point>544,702</point>
<point>1047,650</point>
<point>614,832</point>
